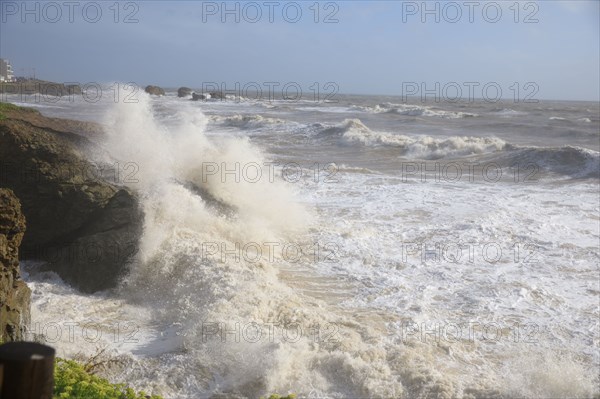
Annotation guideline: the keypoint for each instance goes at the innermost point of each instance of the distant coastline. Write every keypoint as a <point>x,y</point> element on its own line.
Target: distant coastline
<point>24,86</point>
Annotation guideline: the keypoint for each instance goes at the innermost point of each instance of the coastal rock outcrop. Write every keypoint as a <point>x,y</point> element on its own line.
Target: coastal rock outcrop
<point>197,97</point>
<point>154,90</point>
<point>81,220</point>
<point>14,293</point>
<point>184,92</point>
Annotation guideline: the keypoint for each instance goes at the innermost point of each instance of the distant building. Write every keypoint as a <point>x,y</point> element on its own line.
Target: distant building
<point>6,71</point>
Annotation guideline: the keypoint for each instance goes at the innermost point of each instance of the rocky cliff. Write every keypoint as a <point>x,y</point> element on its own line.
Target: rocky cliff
<point>81,220</point>
<point>14,294</point>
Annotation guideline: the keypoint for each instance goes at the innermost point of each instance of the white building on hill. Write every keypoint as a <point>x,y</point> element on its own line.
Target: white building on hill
<point>6,71</point>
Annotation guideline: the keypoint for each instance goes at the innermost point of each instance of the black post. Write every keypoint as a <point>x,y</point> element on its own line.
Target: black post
<point>28,371</point>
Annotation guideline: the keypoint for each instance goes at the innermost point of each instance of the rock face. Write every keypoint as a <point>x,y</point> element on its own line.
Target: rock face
<point>184,92</point>
<point>81,220</point>
<point>155,90</point>
<point>197,97</point>
<point>14,293</point>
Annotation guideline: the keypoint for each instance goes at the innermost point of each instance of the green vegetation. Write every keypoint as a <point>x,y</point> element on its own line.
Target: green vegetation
<point>72,381</point>
<point>6,107</point>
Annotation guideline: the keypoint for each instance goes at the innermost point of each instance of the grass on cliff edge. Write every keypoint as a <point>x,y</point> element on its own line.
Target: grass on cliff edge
<point>8,107</point>
<point>72,381</point>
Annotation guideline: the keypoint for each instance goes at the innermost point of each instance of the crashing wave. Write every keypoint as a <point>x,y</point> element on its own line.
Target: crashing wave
<point>246,121</point>
<point>413,110</point>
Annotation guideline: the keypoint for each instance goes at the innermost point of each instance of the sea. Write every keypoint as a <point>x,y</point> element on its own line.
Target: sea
<point>350,247</point>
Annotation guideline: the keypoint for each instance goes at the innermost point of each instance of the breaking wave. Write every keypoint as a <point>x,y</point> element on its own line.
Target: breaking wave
<point>191,287</point>
<point>246,121</point>
<point>414,110</point>
<point>573,161</point>
<point>353,131</point>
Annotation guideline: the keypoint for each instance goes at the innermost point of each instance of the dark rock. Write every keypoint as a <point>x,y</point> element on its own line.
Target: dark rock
<point>184,92</point>
<point>14,293</point>
<point>217,95</point>
<point>81,221</point>
<point>196,97</point>
<point>155,90</point>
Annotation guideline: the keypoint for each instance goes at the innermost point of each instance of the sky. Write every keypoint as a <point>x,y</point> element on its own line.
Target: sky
<point>548,49</point>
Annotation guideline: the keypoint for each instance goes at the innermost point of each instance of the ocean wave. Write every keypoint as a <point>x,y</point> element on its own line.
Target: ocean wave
<point>508,112</point>
<point>413,110</point>
<point>354,169</point>
<point>182,284</point>
<point>348,125</point>
<point>562,119</point>
<point>353,131</point>
<point>246,121</point>
<point>182,289</point>
<point>575,162</point>
<point>572,161</point>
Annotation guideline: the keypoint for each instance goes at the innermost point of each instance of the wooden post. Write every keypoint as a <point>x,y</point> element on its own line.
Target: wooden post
<point>28,371</point>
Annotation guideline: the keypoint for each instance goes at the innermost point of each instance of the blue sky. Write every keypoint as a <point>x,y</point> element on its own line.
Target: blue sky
<point>374,48</point>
